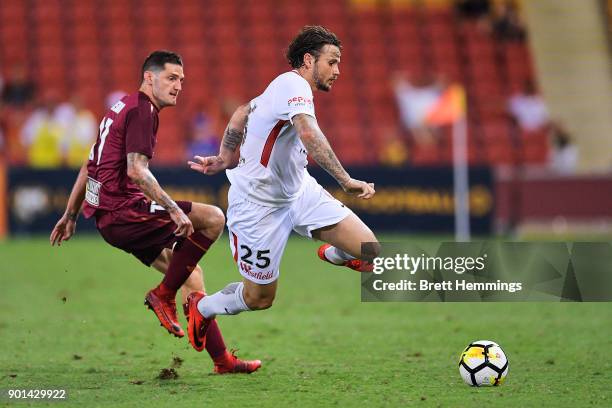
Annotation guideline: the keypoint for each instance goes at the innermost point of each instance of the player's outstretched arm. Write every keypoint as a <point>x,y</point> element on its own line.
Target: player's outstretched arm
<point>138,171</point>
<point>319,149</point>
<point>229,152</point>
<point>66,226</point>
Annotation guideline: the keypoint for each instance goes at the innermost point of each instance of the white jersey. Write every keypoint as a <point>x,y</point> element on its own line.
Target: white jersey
<point>273,160</point>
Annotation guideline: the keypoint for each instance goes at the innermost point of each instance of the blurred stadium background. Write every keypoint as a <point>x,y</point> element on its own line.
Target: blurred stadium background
<point>536,75</point>
<point>538,100</point>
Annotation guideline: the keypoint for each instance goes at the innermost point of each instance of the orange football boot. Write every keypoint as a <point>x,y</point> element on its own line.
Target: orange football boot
<point>198,324</point>
<point>230,364</point>
<point>355,264</point>
<point>165,310</point>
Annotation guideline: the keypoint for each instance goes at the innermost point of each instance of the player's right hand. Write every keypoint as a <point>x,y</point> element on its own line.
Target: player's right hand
<point>184,227</point>
<point>360,188</point>
<point>208,165</point>
<point>63,230</point>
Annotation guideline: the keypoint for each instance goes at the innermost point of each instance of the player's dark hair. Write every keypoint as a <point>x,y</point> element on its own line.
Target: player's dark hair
<point>157,59</point>
<point>310,40</point>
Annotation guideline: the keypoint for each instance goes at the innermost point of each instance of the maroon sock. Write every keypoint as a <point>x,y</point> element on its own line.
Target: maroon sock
<point>164,291</point>
<point>214,341</point>
<point>184,260</point>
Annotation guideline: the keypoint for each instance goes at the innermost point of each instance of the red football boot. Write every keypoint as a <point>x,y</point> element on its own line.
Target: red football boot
<point>230,364</point>
<point>355,264</point>
<point>198,324</point>
<point>165,309</point>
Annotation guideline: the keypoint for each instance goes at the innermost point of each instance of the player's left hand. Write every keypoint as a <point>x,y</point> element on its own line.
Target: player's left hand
<point>208,165</point>
<point>63,230</point>
<point>361,188</point>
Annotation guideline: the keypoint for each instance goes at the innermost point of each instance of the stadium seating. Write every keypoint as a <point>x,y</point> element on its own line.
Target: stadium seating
<point>234,48</point>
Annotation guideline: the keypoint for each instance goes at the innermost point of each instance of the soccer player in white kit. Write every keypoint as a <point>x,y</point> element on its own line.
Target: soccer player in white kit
<point>265,148</point>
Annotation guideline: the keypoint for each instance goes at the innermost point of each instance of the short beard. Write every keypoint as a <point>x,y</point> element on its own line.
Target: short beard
<point>321,86</point>
<point>164,104</point>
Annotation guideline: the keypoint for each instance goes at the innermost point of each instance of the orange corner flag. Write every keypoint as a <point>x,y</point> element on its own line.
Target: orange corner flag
<point>449,108</point>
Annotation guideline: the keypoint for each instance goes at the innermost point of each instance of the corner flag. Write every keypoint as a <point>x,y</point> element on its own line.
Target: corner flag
<point>449,108</point>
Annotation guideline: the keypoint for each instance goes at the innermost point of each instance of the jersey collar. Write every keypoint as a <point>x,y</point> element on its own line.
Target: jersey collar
<point>150,101</point>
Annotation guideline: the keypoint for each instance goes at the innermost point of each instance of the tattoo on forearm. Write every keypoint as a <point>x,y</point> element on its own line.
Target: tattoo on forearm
<point>153,190</point>
<point>232,138</point>
<point>319,149</point>
<point>147,182</point>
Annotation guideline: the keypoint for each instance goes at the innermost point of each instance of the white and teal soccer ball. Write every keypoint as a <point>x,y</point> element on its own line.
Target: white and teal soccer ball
<point>483,363</point>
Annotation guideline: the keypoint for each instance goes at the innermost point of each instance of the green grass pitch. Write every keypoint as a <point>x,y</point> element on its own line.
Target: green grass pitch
<point>73,318</point>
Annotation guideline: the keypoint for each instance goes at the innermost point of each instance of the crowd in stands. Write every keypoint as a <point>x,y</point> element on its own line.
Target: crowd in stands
<point>509,123</point>
<point>500,18</point>
<point>40,130</point>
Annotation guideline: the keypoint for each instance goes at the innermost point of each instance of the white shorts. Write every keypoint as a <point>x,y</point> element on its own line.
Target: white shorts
<point>258,234</point>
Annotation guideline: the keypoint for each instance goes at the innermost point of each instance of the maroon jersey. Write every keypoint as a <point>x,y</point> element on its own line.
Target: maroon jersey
<point>130,126</point>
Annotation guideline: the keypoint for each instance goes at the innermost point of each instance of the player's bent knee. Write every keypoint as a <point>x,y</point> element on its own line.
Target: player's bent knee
<point>210,220</point>
<point>217,221</point>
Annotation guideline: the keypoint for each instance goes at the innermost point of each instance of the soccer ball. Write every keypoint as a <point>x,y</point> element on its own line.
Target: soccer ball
<point>483,363</point>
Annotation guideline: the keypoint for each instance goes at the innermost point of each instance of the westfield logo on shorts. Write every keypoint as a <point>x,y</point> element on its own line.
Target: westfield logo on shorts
<point>256,275</point>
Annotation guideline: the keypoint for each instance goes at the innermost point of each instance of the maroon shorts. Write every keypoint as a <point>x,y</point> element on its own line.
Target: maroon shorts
<point>140,229</point>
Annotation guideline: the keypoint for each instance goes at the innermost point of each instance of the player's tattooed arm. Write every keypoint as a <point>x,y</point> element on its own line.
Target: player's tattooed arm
<point>229,152</point>
<point>232,138</point>
<point>319,149</point>
<point>138,171</point>
<point>234,133</point>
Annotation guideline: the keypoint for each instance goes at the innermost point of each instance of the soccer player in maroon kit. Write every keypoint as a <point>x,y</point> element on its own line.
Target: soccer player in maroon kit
<point>135,214</point>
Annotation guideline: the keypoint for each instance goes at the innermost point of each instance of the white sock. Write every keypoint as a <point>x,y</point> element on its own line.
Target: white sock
<point>228,301</point>
<point>337,256</point>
